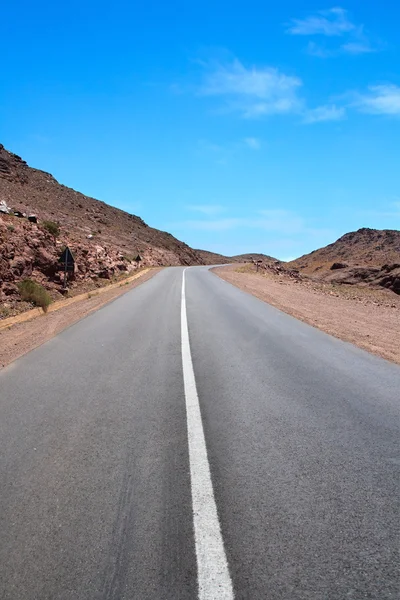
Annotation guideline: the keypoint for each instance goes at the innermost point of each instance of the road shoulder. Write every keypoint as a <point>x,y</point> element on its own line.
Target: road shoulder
<point>368,323</point>
<point>23,337</point>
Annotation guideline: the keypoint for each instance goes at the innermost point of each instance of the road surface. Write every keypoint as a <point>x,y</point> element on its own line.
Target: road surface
<point>192,442</point>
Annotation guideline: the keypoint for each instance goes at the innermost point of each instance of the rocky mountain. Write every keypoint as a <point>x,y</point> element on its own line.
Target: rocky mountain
<point>104,240</point>
<point>366,256</point>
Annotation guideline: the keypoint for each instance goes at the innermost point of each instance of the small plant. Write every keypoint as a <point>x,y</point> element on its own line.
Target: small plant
<point>52,228</point>
<point>10,227</point>
<point>5,311</point>
<point>34,292</point>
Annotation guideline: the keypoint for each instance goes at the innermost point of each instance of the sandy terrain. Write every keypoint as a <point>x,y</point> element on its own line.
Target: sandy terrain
<point>369,318</point>
<point>23,337</point>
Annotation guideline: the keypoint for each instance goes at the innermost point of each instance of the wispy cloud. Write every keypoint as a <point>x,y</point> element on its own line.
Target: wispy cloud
<point>329,112</point>
<point>360,47</point>
<point>252,91</point>
<point>279,221</point>
<point>253,143</point>
<point>333,23</point>
<point>206,209</point>
<point>379,100</point>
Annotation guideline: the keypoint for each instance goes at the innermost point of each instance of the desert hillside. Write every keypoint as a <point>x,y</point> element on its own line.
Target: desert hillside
<point>366,256</point>
<point>36,192</point>
<point>105,241</point>
<point>365,247</point>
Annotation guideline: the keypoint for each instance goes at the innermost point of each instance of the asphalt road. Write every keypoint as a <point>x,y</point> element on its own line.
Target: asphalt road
<point>104,456</point>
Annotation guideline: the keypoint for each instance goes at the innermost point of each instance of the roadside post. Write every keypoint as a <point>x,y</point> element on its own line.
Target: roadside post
<point>67,264</point>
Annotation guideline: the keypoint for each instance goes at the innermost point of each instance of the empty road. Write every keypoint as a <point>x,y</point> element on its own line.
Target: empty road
<point>190,441</point>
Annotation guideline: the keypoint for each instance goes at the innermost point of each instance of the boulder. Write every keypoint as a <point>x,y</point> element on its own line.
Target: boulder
<point>4,208</point>
<point>391,282</point>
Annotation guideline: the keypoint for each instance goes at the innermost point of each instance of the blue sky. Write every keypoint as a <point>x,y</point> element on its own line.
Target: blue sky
<point>235,126</point>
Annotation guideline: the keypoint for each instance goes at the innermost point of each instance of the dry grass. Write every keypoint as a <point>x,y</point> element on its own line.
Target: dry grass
<point>35,293</point>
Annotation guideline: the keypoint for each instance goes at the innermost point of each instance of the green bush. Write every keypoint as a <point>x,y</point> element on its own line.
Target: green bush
<point>34,292</point>
<point>52,228</point>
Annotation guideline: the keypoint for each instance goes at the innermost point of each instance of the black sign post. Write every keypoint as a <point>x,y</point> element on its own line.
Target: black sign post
<point>67,263</point>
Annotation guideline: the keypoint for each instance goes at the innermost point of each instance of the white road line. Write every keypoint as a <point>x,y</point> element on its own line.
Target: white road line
<point>212,567</point>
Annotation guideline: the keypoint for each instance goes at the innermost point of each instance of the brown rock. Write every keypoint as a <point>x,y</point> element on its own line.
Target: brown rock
<point>21,266</point>
<point>9,289</point>
<point>45,262</point>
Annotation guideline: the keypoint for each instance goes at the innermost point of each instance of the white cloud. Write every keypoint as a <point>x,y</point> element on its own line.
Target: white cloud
<point>329,112</point>
<point>379,100</point>
<point>253,91</point>
<point>206,209</point>
<point>357,47</point>
<point>282,222</point>
<point>332,22</point>
<point>252,143</point>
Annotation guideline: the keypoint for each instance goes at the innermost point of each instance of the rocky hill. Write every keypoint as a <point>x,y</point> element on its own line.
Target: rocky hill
<point>253,257</point>
<point>366,256</point>
<point>211,258</point>
<point>104,240</point>
<point>364,247</point>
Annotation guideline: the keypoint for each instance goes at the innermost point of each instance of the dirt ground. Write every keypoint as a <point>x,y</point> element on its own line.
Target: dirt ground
<point>368,318</point>
<point>23,337</point>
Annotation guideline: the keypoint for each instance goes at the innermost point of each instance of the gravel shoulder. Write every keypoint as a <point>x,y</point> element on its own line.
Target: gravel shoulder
<point>366,317</point>
<point>24,337</point>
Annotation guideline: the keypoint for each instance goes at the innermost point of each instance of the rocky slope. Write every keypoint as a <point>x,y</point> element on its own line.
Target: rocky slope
<point>104,240</point>
<point>365,257</point>
<point>212,258</point>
